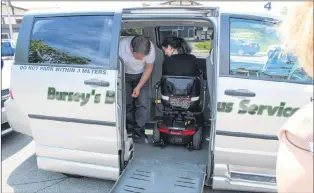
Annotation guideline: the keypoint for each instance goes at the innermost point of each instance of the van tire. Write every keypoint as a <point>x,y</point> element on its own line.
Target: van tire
<point>197,139</point>
<point>156,134</point>
<point>72,175</point>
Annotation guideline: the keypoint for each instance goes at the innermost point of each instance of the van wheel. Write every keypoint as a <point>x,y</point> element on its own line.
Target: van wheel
<point>197,139</point>
<point>156,134</point>
<point>72,175</point>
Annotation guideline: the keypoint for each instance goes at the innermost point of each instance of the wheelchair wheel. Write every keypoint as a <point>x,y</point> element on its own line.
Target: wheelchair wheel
<point>197,139</point>
<point>156,134</point>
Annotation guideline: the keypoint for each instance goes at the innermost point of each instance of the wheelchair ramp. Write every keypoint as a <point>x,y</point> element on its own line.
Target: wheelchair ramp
<point>162,175</point>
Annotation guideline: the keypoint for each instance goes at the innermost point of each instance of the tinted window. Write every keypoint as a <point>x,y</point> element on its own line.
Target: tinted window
<point>255,51</point>
<point>71,40</point>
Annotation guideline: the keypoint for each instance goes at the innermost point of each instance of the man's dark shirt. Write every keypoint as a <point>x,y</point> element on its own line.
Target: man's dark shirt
<point>180,65</point>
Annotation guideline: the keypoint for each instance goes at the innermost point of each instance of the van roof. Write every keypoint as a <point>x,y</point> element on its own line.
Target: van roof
<point>49,11</point>
<point>52,11</point>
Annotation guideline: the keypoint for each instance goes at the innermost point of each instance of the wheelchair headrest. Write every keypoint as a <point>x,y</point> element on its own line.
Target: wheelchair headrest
<point>180,86</point>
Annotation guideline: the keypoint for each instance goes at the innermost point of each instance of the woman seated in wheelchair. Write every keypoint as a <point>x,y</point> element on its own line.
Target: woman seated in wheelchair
<point>180,87</point>
<point>179,61</point>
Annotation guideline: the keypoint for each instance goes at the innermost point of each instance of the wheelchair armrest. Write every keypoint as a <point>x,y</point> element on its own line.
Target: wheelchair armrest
<point>157,85</point>
<point>201,73</point>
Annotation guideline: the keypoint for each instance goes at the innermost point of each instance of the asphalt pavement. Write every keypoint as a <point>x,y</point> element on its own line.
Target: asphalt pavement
<point>21,175</point>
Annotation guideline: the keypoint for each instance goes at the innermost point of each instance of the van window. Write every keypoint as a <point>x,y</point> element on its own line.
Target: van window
<point>76,40</point>
<point>255,52</point>
<point>199,40</point>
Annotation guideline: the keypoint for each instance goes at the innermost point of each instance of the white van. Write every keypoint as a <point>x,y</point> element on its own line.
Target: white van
<point>67,91</point>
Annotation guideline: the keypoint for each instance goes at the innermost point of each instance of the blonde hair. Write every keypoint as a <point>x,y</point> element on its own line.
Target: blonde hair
<point>296,32</point>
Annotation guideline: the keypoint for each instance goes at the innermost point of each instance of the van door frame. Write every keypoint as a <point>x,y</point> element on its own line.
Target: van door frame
<point>214,80</point>
<point>121,122</point>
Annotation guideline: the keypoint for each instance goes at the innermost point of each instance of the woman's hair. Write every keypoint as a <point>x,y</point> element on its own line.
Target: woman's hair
<point>296,32</point>
<point>179,44</point>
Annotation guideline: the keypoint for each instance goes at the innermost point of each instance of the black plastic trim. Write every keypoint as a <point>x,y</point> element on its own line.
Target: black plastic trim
<point>72,120</point>
<point>247,135</point>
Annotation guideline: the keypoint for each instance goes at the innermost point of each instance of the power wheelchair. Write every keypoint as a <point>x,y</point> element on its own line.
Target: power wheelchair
<point>182,111</point>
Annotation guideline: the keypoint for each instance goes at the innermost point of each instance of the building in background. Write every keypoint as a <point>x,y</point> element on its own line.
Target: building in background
<point>16,15</point>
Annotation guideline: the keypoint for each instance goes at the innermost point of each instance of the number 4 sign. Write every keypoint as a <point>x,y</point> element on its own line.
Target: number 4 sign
<point>268,6</point>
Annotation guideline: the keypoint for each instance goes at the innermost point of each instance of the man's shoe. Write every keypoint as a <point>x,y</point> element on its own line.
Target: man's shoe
<point>137,135</point>
<point>130,134</point>
<point>138,132</point>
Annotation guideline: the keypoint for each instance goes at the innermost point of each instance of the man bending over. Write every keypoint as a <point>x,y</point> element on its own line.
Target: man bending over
<point>138,54</point>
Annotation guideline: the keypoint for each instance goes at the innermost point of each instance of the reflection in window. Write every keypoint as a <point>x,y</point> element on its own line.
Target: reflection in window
<point>71,40</point>
<point>7,48</point>
<point>255,51</point>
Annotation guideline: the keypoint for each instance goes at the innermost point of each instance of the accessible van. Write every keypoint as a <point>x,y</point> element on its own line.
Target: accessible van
<point>67,92</point>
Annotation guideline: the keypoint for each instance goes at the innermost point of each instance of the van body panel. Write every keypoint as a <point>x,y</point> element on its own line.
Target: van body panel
<point>78,156</point>
<point>71,101</point>
<point>252,106</point>
<point>77,168</point>
<point>17,118</point>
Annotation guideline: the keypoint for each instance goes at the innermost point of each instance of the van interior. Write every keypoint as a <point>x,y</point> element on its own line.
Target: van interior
<point>156,30</point>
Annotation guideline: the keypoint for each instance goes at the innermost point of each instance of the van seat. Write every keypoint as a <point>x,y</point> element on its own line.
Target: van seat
<point>201,62</point>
